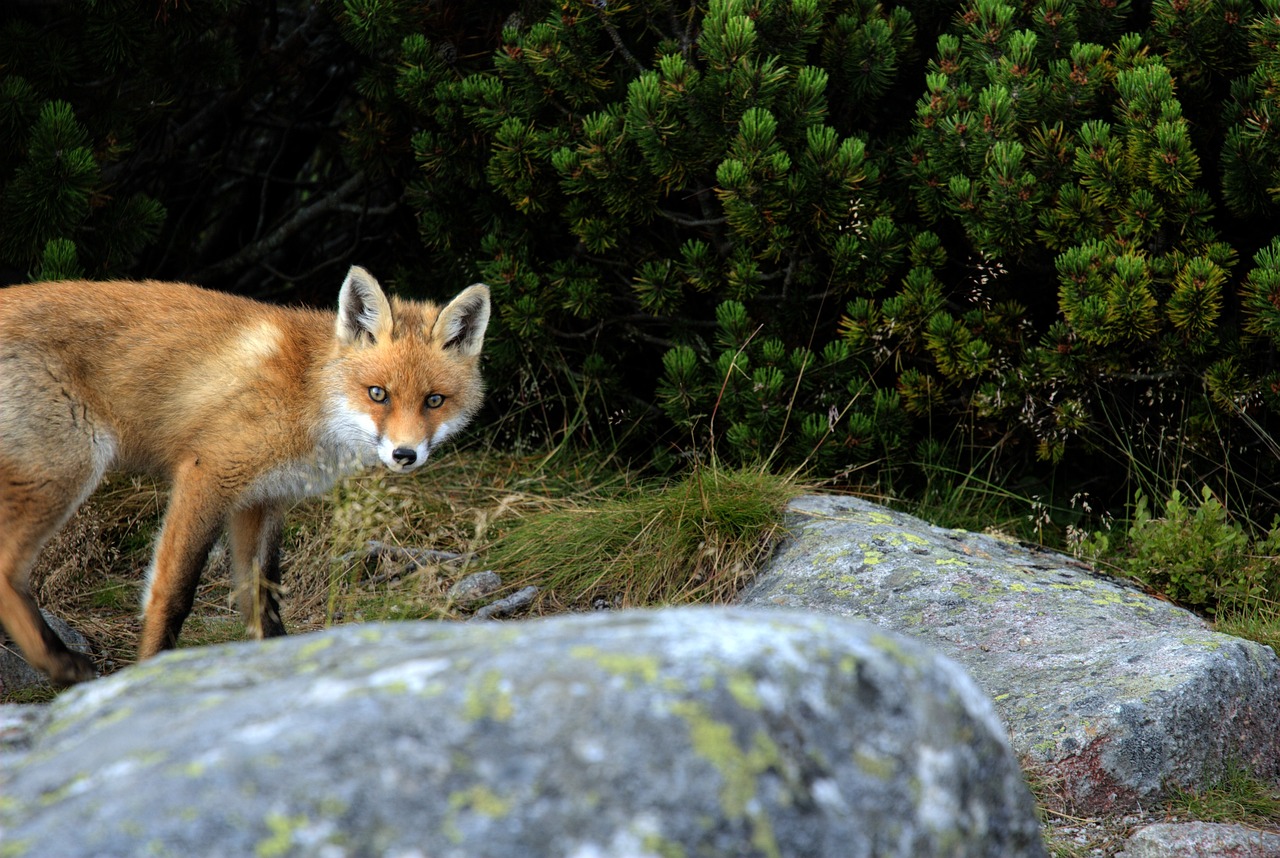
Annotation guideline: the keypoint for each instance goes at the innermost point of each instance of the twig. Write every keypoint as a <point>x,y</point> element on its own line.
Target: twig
<point>683,220</point>
<point>412,557</point>
<point>504,607</point>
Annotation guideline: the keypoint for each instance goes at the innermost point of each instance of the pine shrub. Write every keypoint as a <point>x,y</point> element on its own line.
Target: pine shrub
<point>824,232</point>
<point>862,238</point>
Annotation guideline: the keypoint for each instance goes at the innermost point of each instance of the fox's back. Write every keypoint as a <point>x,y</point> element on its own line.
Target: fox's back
<point>149,361</point>
<point>153,330</point>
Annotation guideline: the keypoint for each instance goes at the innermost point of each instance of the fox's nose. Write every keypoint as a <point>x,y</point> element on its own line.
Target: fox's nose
<point>404,456</point>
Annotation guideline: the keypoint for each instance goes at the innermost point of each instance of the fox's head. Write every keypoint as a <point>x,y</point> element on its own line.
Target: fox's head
<point>406,374</point>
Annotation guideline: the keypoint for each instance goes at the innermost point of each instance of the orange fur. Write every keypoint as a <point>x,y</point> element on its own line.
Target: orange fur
<point>242,406</point>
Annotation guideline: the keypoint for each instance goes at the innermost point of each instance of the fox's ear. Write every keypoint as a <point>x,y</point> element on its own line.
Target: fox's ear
<point>364,314</point>
<point>461,323</point>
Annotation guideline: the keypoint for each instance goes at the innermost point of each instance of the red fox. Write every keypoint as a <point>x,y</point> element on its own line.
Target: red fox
<point>241,406</point>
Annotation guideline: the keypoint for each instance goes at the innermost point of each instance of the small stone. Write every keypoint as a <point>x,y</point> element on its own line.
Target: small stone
<point>475,587</point>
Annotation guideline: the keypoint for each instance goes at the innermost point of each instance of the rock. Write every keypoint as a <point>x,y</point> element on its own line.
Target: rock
<point>1200,840</point>
<point>17,677</point>
<point>694,732</point>
<point>475,586</point>
<point>1109,695</point>
<point>19,723</point>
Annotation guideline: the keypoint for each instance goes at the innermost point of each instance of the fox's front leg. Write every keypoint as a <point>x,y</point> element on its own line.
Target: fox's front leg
<point>255,567</point>
<point>196,511</point>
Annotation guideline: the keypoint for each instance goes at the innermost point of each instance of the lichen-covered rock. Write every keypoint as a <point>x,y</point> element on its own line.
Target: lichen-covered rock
<point>693,732</point>
<point>1109,695</point>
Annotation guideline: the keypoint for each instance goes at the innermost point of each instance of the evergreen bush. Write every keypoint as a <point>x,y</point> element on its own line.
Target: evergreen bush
<point>727,218</point>
<point>198,141</point>
<point>669,212</point>
<point>884,241</point>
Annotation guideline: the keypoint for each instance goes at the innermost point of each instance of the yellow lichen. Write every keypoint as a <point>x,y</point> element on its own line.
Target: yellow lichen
<point>713,741</point>
<point>631,667</point>
<point>281,840</point>
<point>487,698</point>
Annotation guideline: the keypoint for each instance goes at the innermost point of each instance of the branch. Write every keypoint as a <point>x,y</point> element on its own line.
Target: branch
<point>656,341</point>
<point>301,219</point>
<point>686,43</point>
<point>348,208</point>
<point>682,220</point>
<point>617,40</point>
<point>577,335</point>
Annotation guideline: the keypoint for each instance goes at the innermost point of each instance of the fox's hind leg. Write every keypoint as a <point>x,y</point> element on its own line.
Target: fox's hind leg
<point>53,454</point>
<point>22,620</point>
<point>255,567</point>
<point>39,490</point>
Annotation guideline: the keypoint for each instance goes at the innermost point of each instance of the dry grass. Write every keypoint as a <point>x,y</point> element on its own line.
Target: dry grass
<point>695,540</point>
<point>92,572</point>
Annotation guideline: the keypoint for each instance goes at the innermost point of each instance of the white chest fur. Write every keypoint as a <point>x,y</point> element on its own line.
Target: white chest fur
<point>346,445</point>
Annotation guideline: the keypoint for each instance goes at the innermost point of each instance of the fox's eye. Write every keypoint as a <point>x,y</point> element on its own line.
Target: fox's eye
<point>377,394</point>
<point>435,400</point>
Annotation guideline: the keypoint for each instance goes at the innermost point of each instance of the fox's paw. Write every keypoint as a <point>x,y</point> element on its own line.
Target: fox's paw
<point>67,668</point>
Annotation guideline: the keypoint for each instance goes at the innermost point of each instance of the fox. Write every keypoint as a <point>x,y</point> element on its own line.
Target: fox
<point>242,407</point>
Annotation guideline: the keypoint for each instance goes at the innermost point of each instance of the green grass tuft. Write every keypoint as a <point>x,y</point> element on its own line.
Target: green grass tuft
<point>1257,620</point>
<point>1237,797</point>
<point>696,540</point>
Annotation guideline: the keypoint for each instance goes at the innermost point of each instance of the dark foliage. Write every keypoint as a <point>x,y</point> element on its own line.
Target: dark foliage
<point>893,240</point>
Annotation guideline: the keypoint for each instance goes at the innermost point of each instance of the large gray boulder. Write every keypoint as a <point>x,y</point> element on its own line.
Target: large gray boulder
<point>694,732</point>
<point>1110,696</point>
